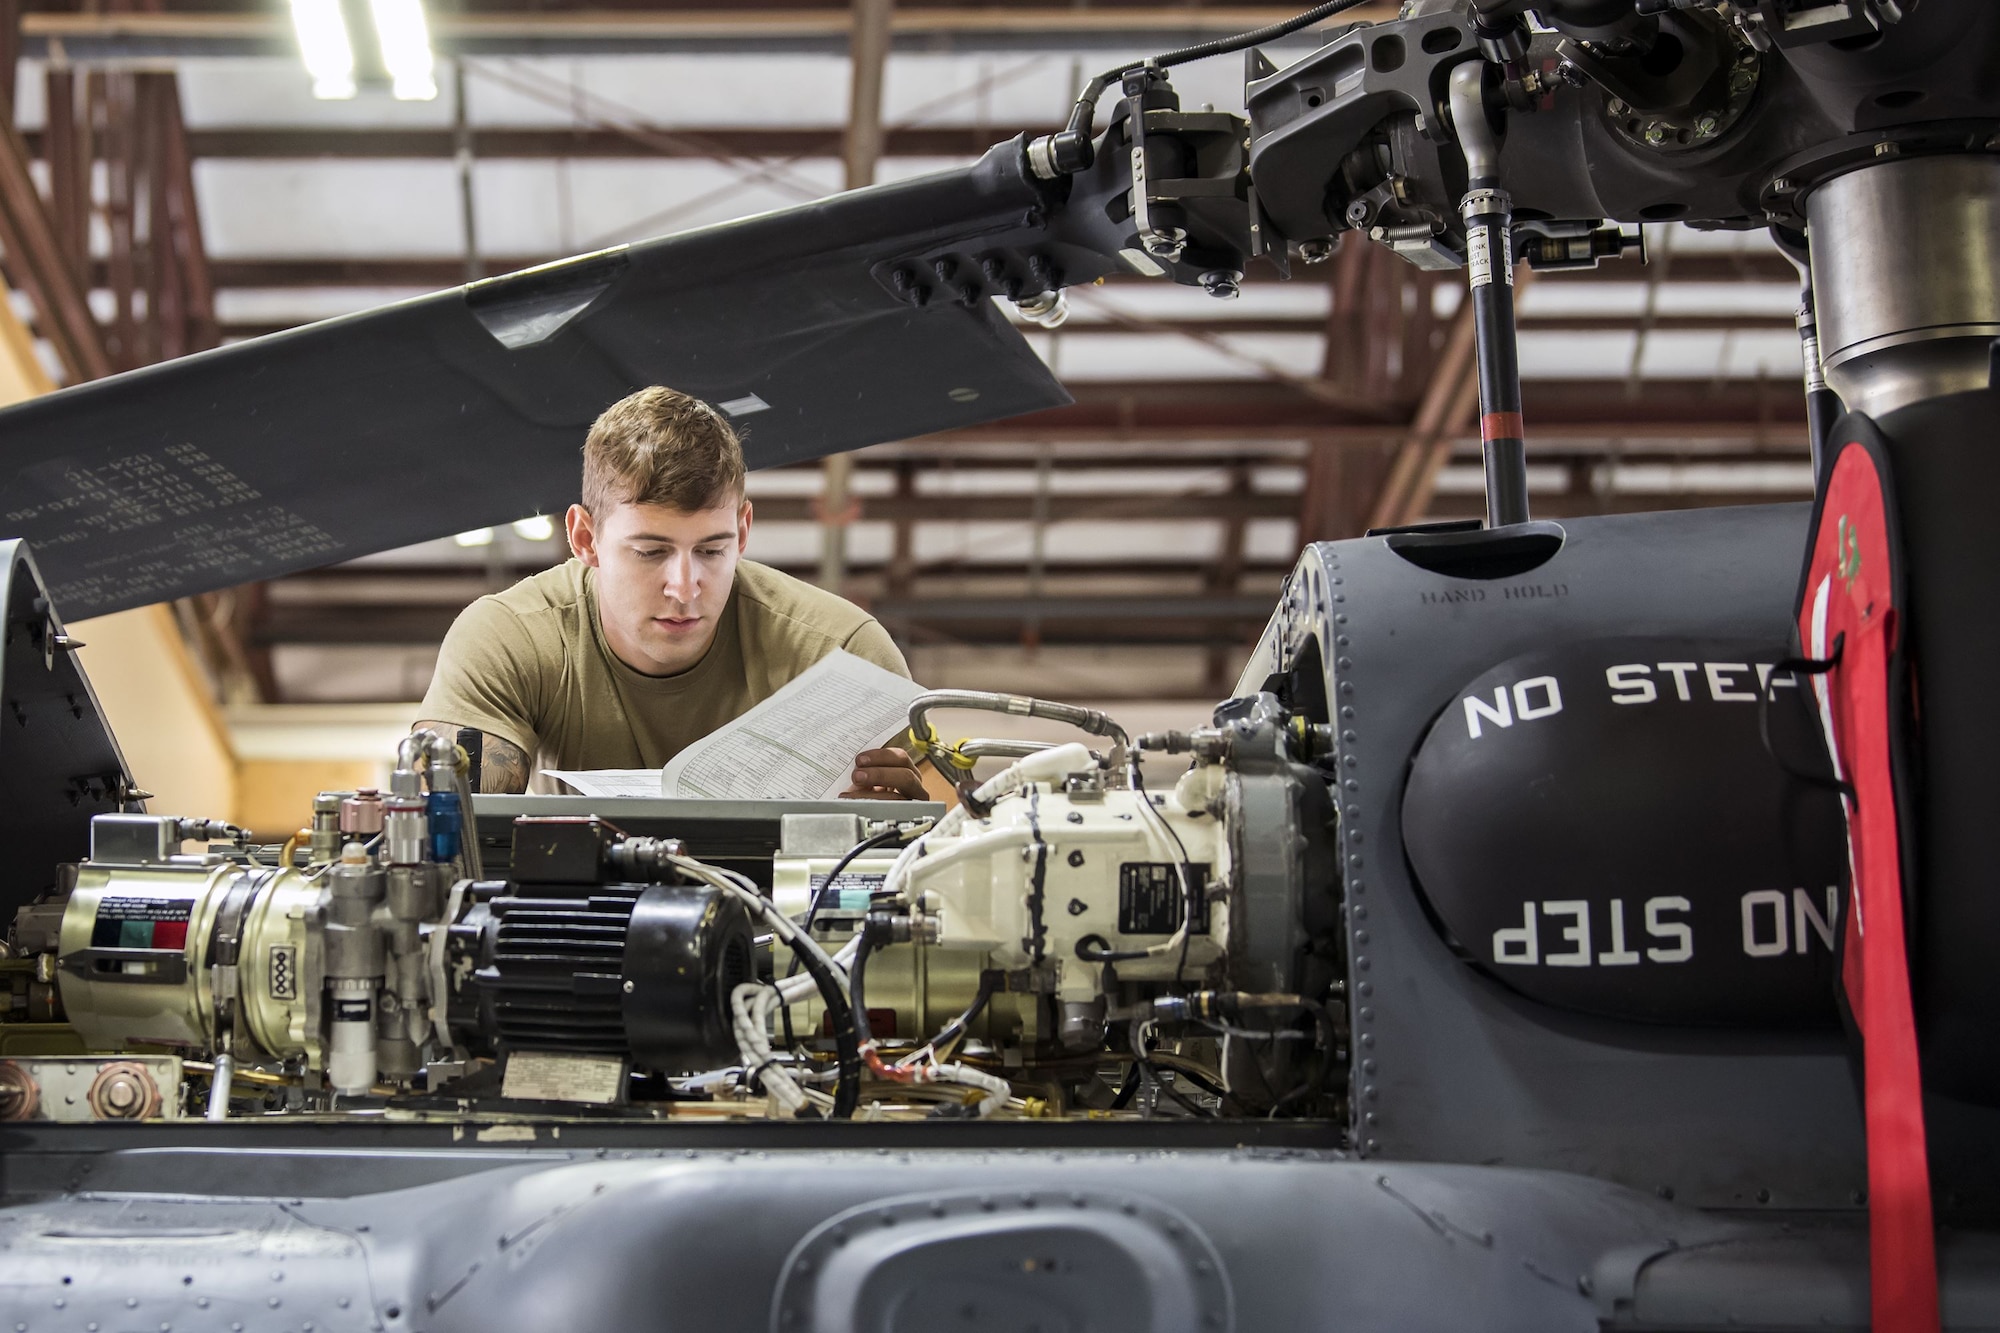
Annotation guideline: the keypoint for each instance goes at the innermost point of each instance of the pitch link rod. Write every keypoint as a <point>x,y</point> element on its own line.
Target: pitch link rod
<point>1488,211</point>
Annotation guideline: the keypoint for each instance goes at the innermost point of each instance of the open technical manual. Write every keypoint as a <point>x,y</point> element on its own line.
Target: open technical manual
<point>797,745</point>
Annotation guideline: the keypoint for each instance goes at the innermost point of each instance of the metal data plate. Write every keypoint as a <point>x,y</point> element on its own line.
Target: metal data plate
<point>563,1076</point>
<point>467,408</point>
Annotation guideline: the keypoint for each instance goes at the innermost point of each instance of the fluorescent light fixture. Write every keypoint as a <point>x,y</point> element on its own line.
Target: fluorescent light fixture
<point>476,537</point>
<point>537,529</point>
<point>323,43</point>
<point>406,48</point>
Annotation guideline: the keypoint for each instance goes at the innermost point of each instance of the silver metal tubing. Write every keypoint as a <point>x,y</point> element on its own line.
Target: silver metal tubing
<point>994,748</point>
<point>1083,719</point>
<point>1906,278</point>
<point>218,1087</point>
<point>1468,117</point>
<point>406,779</point>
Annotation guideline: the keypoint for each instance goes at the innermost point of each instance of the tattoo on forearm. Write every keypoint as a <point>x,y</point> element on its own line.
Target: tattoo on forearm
<point>503,765</point>
<point>505,768</point>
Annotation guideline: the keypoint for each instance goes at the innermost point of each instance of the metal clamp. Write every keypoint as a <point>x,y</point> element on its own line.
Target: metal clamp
<point>1485,203</point>
<point>225,945</point>
<point>1163,242</point>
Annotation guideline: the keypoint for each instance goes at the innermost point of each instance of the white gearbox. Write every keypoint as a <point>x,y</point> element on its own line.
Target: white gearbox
<point>1063,875</point>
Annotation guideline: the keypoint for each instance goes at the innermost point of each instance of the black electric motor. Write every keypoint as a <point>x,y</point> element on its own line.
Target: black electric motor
<point>559,960</point>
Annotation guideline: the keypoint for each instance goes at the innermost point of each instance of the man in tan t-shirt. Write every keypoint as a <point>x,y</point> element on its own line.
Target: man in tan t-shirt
<point>657,631</point>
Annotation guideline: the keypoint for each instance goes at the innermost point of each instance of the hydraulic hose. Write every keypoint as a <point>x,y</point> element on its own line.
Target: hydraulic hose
<point>1087,720</point>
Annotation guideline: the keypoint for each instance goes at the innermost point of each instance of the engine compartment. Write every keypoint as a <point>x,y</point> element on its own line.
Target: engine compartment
<point>1400,847</point>
<point>1061,944</point>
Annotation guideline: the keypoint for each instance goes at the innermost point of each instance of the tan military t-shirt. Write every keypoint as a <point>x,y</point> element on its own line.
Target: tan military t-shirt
<point>531,666</point>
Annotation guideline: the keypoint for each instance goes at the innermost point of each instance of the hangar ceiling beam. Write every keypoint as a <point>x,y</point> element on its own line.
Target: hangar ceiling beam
<point>1569,504</point>
<point>947,455</point>
<point>902,568</point>
<point>185,216</point>
<point>1342,477</point>
<point>1289,326</point>
<point>433,272</point>
<point>1657,271</point>
<point>180,295</point>
<point>1285,325</point>
<point>643,138</point>
<point>1225,580</point>
<point>87,36</point>
<point>1234,506</point>
<point>1067,619</point>
<point>1749,410</point>
<point>1358,399</point>
<point>156,267</point>
<point>1382,338</point>
<point>114,118</point>
<point>287,143</point>
<point>10,48</point>
<point>868,67</point>
<point>1413,335</point>
<point>65,145</point>
<point>166,280</point>
<point>408,585</point>
<point>1440,415</point>
<point>39,264</point>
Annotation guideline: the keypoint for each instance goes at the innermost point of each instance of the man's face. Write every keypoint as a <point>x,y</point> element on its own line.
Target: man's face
<point>663,577</point>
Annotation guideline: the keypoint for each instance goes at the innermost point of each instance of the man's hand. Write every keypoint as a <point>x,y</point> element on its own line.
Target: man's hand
<point>886,775</point>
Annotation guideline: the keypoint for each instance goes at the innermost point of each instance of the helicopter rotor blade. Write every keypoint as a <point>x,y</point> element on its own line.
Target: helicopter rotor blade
<point>467,408</point>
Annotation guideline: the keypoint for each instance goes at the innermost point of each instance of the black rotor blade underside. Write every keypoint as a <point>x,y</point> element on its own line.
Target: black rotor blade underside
<point>468,408</point>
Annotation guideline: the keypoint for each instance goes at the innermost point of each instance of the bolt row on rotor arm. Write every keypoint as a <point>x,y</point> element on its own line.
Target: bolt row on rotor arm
<point>1162,192</point>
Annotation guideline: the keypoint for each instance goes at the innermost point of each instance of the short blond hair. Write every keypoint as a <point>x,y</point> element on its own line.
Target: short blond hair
<point>660,446</point>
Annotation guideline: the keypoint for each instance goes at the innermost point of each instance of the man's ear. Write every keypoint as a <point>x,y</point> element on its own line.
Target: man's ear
<point>743,527</point>
<point>582,539</point>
